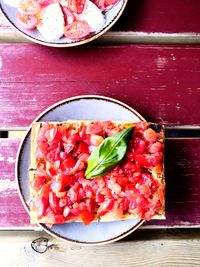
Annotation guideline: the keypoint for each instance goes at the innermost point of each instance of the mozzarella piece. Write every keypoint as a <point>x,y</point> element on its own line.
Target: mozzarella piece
<point>93,16</point>
<point>12,3</point>
<point>51,24</point>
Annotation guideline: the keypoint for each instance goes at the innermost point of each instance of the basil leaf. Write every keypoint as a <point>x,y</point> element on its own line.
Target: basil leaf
<point>105,157</point>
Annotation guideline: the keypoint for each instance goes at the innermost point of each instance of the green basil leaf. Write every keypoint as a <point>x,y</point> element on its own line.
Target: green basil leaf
<point>105,157</point>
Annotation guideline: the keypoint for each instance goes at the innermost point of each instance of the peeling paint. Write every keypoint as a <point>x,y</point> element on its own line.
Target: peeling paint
<point>161,62</point>
<point>11,160</point>
<point>2,158</point>
<point>6,186</point>
<point>1,63</point>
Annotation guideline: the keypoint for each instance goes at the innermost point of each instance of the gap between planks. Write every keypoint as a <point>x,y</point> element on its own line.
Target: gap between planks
<point>11,36</point>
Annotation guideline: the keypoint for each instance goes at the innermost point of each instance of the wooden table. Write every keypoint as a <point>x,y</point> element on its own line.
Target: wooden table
<point>149,60</point>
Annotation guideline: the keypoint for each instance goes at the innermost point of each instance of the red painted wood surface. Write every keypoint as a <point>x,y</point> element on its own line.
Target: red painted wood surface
<point>160,82</point>
<point>172,16</point>
<point>182,179</point>
<point>12,212</point>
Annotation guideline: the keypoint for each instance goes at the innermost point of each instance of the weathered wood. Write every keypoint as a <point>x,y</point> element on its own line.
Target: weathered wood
<point>12,212</point>
<point>182,179</point>
<point>162,16</point>
<point>160,82</point>
<point>164,250</point>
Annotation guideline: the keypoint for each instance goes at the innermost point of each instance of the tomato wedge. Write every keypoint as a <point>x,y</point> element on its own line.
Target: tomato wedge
<point>68,15</point>
<point>29,22</point>
<point>77,30</point>
<point>105,5</point>
<point>76,6</point>
<point>29,7</point>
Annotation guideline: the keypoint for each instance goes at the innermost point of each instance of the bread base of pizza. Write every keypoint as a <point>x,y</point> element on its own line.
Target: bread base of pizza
<point>134,188</point>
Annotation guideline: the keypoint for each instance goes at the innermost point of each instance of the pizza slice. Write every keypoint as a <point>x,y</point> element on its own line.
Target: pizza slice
<point>61,189</point>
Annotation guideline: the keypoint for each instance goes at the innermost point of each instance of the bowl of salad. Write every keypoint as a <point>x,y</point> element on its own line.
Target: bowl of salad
<point>62,23</point>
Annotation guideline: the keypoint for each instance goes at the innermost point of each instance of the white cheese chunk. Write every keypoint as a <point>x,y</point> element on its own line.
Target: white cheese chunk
<point>93,16</point>
<point>51,24</point>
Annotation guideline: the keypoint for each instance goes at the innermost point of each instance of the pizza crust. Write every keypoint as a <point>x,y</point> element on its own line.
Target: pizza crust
<point>110,216</point>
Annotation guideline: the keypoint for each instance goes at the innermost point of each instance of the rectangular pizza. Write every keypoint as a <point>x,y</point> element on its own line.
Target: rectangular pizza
<point>87,171</point>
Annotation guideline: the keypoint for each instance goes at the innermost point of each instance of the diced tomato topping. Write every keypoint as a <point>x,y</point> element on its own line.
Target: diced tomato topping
<point>54,202</point>
<point>45,190</point>
<point>83,148</point>
<point>60,182</point>
<point>67,164</point>
<point>155,147</point>
<point>145,160</point>
<point>137,146</point>
<point>66,211</point>
<point>51,172</point>
<point>87,217</point>
<point>99,197</point>
<point>38,182</point>
<point>150,135</point>
<point>105,207</point>
<point>50,134</point>
<point>96,140</point>
<point>63,192</point>
<point>94,128</point>
<point>42,205</point>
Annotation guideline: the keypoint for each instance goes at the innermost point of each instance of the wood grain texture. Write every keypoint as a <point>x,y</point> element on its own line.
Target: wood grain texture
<point>12,213</point>
<point>182,192</point>
<point>160,82</point>
<point>164,250</point>
<point>173,16</point>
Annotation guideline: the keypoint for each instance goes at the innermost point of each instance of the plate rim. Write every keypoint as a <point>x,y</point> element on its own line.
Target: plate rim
<point>17,164</point>
<point>73,44</point>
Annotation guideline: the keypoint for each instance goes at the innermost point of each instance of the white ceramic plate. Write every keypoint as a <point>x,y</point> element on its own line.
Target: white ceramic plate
<point>10,13</point>
<point>79,108</point>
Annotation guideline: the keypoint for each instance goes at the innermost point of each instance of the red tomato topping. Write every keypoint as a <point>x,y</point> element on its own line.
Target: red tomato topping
<point>87,217</point>
<point>38,182</point>
<point>83,148</point>
<point>65,194</point>
<point>77,30</point>
<point>68,164</point>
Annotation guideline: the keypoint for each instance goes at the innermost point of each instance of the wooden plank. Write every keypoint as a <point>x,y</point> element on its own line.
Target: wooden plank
<point>162,16</point>
<point>145,249</point>
<point>160,82</point>
<point>12,212</point>
<point>173,16</point>
<point>182,179</point>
